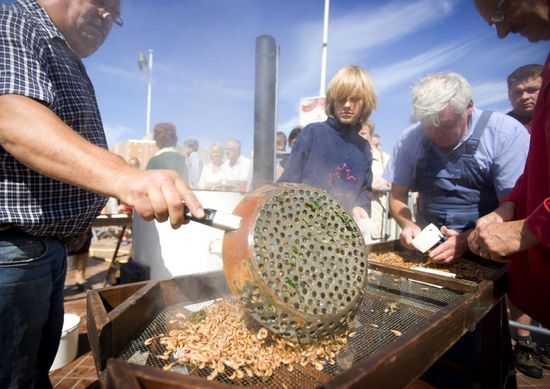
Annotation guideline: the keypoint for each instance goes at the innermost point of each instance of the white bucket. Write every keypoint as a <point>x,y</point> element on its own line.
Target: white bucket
<point>68,346</point>
<point>71,262</point>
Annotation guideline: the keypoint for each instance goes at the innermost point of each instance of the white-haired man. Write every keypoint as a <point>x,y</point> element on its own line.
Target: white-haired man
<point>237,169</point>
<point>462,161</point>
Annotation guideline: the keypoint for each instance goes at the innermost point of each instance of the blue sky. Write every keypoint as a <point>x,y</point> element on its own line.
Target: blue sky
<point>203,77</point>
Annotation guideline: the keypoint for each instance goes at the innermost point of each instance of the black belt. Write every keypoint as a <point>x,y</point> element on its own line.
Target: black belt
<point>14,231</point>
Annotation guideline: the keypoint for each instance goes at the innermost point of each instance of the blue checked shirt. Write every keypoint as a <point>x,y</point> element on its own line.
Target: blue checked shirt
<point>36,62</point>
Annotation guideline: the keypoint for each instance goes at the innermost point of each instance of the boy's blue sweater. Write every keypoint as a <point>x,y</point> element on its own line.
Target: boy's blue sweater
<point>333,156</point>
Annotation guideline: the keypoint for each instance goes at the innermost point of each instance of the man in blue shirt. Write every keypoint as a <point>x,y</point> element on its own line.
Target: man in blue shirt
<point>462,162</point>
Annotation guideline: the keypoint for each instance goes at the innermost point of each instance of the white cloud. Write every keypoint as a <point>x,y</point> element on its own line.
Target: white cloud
<point>508,53</point>
<point>351,35</point>
<point>119,72</point>
<point>411,69</point>
<point>174,78</point>
<point>117,133</point>
<point>490,93</point>
<point>288,125</point>
<point>368,28</point>
<point>170,77</point>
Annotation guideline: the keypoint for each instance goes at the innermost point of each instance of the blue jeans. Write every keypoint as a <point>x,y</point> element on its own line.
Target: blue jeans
<point>32,277</point>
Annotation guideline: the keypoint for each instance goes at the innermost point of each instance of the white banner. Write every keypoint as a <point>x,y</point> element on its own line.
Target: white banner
<point>312,110</point>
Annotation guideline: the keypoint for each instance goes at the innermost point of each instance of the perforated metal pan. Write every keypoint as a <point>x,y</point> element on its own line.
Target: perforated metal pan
<point>298,262</point>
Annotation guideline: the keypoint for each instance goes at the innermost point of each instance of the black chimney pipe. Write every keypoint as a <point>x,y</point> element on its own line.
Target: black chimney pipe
<point>265,108</point>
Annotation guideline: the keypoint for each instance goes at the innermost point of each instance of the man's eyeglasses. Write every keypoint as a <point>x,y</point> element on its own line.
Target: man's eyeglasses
<point>498,14</point>
<point>106,12</point>
<point>115,19</point>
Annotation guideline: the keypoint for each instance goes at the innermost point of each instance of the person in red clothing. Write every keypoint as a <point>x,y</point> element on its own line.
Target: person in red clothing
<point>523,90</point>
<point>518,232</point>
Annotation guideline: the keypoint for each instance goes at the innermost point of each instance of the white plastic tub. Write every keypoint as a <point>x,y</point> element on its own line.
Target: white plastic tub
<point>68,346</point>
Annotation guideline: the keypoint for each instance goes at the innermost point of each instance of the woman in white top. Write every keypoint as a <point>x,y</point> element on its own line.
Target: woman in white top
<point>211,175</point>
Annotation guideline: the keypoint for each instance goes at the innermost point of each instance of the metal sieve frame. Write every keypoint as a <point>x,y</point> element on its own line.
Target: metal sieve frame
<point>304,264</point>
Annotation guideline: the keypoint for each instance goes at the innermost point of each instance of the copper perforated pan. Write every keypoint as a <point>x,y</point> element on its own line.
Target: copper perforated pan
<point>297,262</point>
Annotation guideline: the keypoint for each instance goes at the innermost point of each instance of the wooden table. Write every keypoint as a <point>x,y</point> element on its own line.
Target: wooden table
<point>115,220</point>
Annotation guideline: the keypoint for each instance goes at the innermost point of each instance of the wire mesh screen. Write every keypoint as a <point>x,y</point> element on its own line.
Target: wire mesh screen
<point>391,306</point>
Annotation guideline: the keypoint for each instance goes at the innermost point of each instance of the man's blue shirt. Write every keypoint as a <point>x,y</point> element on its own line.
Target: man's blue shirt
<point>502,151</point>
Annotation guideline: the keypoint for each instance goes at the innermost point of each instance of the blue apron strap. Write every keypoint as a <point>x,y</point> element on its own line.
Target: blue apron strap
<point>425,149</point>
<point>471,144</point>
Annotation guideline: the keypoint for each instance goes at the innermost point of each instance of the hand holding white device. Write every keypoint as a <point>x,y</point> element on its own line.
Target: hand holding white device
<point>428,238</point>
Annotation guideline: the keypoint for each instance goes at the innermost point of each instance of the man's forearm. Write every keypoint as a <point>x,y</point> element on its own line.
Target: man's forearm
<point>36,137</point>
<point>400,212</point>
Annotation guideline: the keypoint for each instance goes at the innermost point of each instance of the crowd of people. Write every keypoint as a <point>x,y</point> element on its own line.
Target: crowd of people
<point>482,177</point>
<point>227,169</point>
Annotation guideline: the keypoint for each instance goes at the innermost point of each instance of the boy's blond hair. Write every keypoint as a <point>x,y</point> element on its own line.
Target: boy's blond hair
<point>351,80</point>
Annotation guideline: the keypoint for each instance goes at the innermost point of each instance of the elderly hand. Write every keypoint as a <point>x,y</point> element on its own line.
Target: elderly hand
<point>497,240</point>
<point>408,233</point>
<point>157,194</point>
<point>453,248</point>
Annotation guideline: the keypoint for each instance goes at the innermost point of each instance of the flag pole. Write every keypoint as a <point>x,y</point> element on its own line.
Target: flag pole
<point>324,51</point>
<point>149,90</point>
